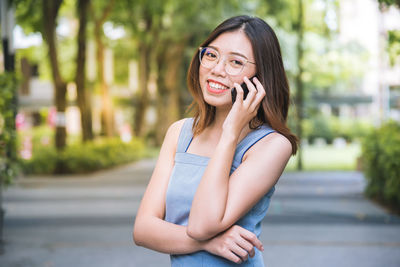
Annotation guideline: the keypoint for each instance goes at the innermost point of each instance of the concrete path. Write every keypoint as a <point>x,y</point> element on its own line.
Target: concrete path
<point>315,219</point>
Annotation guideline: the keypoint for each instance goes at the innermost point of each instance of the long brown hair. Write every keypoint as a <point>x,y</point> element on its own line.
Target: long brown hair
<point>270,71</point>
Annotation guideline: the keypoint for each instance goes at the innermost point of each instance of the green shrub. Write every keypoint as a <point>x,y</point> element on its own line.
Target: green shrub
<point>8,166</point>
<point>43,161</point>
<point>83,158</point>
<point>319,127</point>
<point>381,164</point>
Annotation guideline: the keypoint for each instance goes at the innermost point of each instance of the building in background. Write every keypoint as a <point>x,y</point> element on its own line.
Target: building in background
<point>362,21</point>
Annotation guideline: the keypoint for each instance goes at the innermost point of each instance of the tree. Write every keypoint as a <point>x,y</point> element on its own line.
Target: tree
<point>314,60</point>
<point>393,35</point>
<point>50,10</point>
<point>290,17</point>
<point>163,33</point>
<point>390,2</point>
<point>299,83</point>
<point>83,95</point>
<point>143,19</point>
<point>42,16</point>
<point>99,18</point>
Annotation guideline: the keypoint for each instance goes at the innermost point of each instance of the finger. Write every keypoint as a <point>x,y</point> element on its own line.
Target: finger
<point>240,252</point>
<point>260,87</point>
<point>246,245</point>
<point>252,238</point>
<point>252,90</point>
<point>259,96</point>
<point>232,257</point>
<point>239,93</point>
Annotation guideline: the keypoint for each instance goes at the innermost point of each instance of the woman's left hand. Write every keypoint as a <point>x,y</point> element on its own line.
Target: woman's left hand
<point>244,110</point>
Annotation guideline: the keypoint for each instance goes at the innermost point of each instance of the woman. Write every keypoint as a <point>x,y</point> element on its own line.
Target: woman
<point>216,172</point>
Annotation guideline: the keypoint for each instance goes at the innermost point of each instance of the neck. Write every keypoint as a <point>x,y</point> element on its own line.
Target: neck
<point>220,116</point>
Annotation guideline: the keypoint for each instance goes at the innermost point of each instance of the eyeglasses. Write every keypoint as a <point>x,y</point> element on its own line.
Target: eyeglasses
<point>234,64</point>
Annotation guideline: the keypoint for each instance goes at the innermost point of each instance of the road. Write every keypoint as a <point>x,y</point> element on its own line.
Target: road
<point>315,219</point>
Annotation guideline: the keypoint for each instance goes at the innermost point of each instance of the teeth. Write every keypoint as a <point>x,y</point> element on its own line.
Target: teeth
<point>218,86</point>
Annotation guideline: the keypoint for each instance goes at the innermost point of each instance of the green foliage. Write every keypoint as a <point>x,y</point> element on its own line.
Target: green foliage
<point>43,161</point>
<point>331,67</point>
<point>381,165</point>
<point>330,127</point>
<point>28,14</point>
<point>8,167</point>
<point>390,2</point>
<point>318,127</point>
<point>394,47</point>
<point>100,154</point>
<point>393,35</point>
<point>82,158</point>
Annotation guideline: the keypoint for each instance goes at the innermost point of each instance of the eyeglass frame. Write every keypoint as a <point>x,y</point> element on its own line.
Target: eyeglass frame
<point>219,57</point>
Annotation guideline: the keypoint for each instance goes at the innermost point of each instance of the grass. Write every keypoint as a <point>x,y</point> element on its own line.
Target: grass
<point>328,158</point>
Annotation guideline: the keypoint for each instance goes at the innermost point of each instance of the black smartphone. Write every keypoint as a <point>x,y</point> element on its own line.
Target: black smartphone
<point>245,90</point>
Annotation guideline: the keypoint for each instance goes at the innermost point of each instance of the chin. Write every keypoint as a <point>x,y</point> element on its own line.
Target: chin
<point>218,101</point>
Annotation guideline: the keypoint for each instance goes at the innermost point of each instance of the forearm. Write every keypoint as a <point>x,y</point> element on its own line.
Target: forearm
<point>209,203</point>
<point>165,237</point>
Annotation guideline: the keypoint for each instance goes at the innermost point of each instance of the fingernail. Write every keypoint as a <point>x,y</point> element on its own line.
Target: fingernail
<point>262,248</point>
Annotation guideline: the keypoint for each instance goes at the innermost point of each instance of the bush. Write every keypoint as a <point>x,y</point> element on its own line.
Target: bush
<point>381,164</point>
<point>43,161</point>
<point>8,166</point>
<point>83,158</point>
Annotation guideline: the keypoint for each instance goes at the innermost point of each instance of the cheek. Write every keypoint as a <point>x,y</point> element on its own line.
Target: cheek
<point>201,74</point>
<point>202,78</point>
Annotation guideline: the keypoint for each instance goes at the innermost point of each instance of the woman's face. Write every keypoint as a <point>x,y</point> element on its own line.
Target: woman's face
<point>215,82</point>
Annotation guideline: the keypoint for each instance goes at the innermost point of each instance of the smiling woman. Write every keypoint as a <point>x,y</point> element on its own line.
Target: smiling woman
<point>216,172</point>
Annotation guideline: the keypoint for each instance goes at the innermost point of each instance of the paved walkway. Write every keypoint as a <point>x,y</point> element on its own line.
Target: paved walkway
<point>315,219</point>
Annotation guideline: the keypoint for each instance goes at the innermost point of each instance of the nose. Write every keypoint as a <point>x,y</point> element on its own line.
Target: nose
<point>219,68</point>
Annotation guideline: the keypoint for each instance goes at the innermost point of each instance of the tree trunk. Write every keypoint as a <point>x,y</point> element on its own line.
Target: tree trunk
<point>83,96</point>
<point>107,122</point>
<point>143,95</point>
<point>299,82</point>
<point>107,127</point>
<point>168,95</point>
<point>50,13</point>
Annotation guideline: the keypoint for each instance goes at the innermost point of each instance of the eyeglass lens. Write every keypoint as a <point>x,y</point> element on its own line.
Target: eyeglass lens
<point>209,58</point>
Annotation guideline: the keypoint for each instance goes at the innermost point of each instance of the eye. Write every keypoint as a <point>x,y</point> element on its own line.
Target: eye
<point>237,63</point>
<point>210,54</point>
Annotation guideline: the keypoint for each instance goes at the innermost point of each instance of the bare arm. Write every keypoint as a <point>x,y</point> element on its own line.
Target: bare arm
<point>153,232</point>
<point>220,199</point>
<point>150,229</point>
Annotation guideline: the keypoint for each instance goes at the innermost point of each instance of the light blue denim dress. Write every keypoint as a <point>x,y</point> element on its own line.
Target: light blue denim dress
<point>184,180</point>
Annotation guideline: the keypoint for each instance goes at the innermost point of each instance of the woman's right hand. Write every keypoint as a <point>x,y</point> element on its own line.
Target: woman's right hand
<point>235,244</point>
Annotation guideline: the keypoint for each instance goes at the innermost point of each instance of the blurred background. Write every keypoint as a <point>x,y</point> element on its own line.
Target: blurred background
<point>84,76</point>
<point>87,85</point>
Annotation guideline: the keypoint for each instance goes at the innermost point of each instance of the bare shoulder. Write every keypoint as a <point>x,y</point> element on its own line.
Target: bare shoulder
<point>175,128</point>
<point>274,143</point>
<point>172,135</point>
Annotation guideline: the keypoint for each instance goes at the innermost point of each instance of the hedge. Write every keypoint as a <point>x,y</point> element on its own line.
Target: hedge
<point>381,164</point>
<point>83,158</point>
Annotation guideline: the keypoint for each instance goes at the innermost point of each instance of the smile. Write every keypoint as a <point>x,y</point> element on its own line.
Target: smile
<point>216,87</point>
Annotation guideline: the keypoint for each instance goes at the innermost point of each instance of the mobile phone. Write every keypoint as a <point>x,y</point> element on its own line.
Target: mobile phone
<point>245,90</point>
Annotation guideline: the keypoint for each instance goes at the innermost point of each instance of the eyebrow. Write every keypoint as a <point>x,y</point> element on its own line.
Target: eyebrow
<point>232,53</point>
